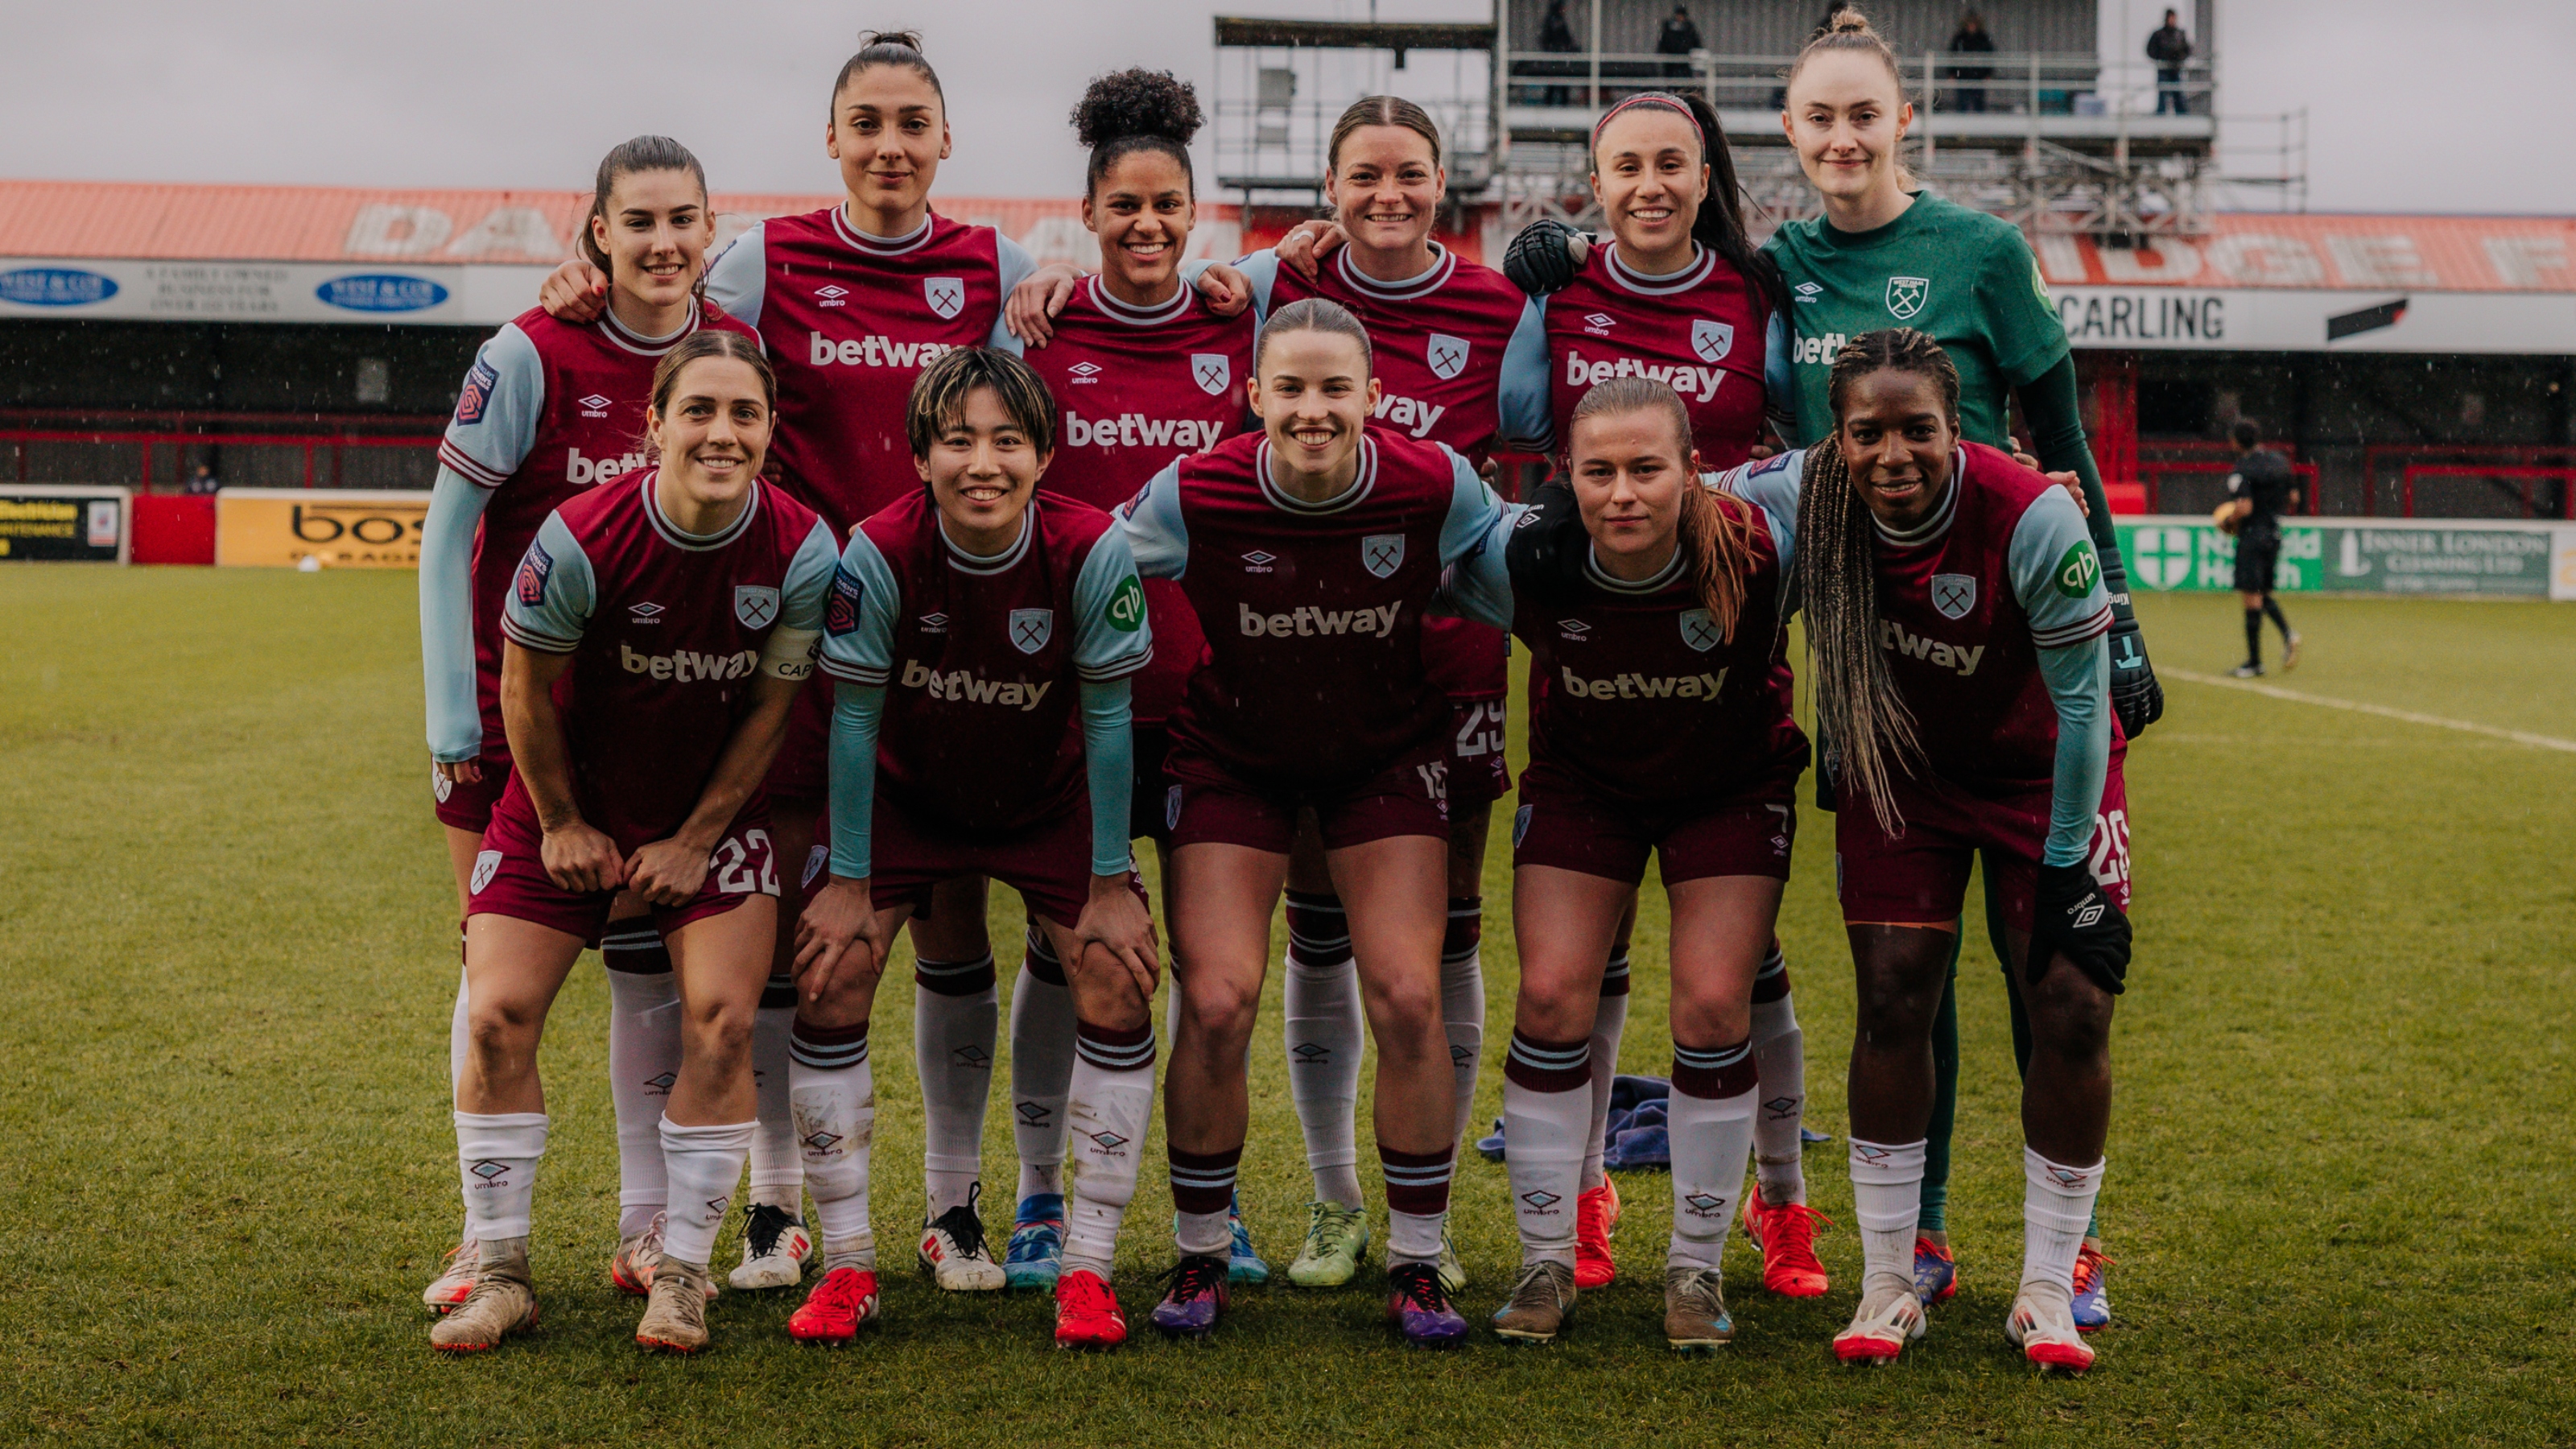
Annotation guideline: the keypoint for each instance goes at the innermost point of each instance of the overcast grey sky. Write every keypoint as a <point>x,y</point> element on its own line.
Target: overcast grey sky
<point>2416,106</point>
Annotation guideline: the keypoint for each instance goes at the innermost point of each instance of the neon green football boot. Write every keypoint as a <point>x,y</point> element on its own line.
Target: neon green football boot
<point>1336,1244</point>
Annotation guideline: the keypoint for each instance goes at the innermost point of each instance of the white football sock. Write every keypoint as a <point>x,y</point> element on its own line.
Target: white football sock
<point>1042,1057</point>
<point>496,1160</point>
<point>777,1172</point>
<point>1462,1003</point>
<point>2056,1207</point>
<point>1325,1033</point>
<point>1609,1022</point>
<point>1111,1105</point>
<point>953,1037</point>
<point>1711,1136</point>
<point>1887,1202</point>
<point>460,1037</point>
<point>1780,1055</point>
<point>832,1097</point>
<point>643,1061</point>
<point>705,1164</point>
<point>1547,1103</point>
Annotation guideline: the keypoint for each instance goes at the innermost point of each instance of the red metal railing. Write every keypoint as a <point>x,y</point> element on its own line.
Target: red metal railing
<point>2566,483</point>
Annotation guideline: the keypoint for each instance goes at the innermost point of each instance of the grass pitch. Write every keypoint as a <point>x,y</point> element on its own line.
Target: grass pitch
<point>2335,1194</point>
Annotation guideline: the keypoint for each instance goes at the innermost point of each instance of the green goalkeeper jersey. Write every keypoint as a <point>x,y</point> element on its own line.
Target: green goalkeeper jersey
<point>1965,277</point>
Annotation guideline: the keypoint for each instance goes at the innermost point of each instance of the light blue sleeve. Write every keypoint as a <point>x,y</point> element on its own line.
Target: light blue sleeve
<point>803,593</point>
<point>1779,377</point>
<point>809,581</point>
<point>447,617</point>
<point>1158,538</point>
<point>739,275</point>
<point>858,616</point>
<point>552,595</point>
<point>497,411</point>
<point>1471,547</point>
<point>857,712</point>
<point>1479,585</point>
<point>2058,579</point>
<point>1111,638</point>
<point>2079,684</point>
<point>1109,760</point>
<point>1772,485</point>
<point>1262,267</point>
<point>1526,419</point>
<point>1016,266</point>
<point>2056,574</point>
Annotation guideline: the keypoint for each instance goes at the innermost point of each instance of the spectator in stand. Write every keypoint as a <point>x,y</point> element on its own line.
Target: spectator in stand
<point>1678,37</point>
<point>203,481</point>
<point>1556,34</point>
<point>2169,48</point>
<point>2262,488</point>
<point>1971,39</point>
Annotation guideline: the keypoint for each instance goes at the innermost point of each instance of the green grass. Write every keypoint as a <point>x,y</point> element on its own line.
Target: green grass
<point>2337,1185</point>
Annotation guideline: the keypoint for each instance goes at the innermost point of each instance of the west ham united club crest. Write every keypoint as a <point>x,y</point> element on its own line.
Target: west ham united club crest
<point>1699,631</point>
<point>1954,594</point>
<point>946,295</point>
<point>1031,629</point>
<point>1447,355</point>
<point>1711,340</point>
<point>755,605</point>
<point>1906,296</point>
<point>1213,371</point>
<point>1382,553</point>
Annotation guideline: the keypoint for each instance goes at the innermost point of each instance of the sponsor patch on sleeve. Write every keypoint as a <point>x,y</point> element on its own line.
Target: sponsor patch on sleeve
<point>2078,571</point>
<point>534,570</point>
<point>478,392</point>
<point>841,609</point>
<point>1772,464</point>
<point>1126,609</point>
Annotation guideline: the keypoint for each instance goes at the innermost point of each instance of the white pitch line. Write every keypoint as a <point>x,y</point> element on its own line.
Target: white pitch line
<point>2519,737</point>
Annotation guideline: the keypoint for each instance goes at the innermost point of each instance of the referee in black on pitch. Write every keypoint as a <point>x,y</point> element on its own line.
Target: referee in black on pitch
<point>2260,490</point>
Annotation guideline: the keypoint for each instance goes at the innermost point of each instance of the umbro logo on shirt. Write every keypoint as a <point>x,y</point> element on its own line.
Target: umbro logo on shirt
<point>1085,372</point>
<point>1574,628</point>
<point>1807,291</point>
<point>1257,562</point>
<point>646,613</point>
<point>594,406</point>
<point>1598,323</point>
<point>934,623</point>
<point>830,296</point>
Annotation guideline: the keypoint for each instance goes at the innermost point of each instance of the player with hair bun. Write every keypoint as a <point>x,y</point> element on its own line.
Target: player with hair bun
<point>1310,552</point>
<point>1143,370</point>
<point>983,635</point>
<point>659,628</point>
<point>1678,294</point>
<point>1664,726</point>
<point>851,303</point>
<point>1956,622</point>
<point>549,410</point>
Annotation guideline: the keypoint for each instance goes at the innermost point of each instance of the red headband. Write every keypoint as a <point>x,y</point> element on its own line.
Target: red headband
<point>1650,98</point>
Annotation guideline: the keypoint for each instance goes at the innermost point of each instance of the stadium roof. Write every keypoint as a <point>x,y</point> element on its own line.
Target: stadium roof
<point>73,219</point>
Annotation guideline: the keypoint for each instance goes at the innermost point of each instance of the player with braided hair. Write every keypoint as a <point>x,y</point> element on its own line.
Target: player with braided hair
<point>1887,252</point>
<point>1956,622</point>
